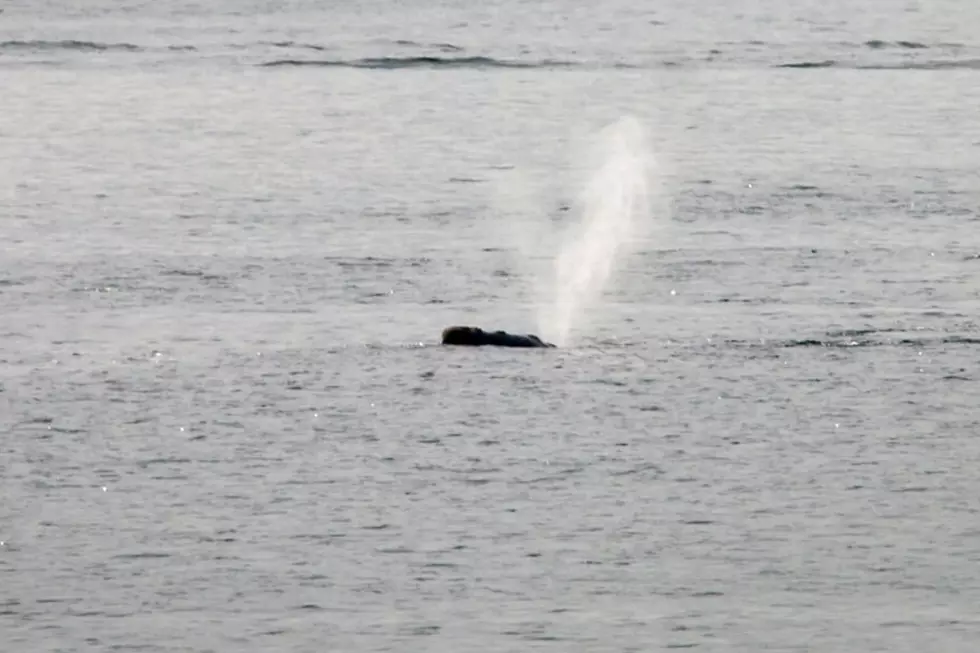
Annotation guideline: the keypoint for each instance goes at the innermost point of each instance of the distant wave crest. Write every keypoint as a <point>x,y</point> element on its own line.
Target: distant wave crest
<point>877,44</point>
<point>71,45</point>
<point>942,64</point>
<point>68,45</point>
<point>299,46</point>
<point>444,47</point>
<point>864,338</point>
<point>390,63</point>
<point>829,63</point>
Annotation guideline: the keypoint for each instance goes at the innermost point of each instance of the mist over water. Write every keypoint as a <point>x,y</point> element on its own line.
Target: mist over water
<point>612,208</point>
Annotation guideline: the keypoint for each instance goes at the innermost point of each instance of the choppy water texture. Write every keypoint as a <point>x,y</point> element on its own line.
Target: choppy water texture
<point>231,234</point>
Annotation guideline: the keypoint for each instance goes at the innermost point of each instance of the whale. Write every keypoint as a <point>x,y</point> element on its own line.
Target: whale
<point>476,337</point>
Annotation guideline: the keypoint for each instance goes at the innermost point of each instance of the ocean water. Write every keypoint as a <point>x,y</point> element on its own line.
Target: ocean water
<point>230,234</point>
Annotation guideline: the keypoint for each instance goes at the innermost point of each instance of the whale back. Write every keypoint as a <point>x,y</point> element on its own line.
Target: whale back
<point>476,337</point>
<point>461,335</point>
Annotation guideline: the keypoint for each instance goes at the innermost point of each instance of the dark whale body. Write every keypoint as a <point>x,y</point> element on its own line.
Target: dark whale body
<point>476,337</point>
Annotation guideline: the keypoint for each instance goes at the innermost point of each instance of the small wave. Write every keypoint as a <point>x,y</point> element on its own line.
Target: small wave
<point>857,333</point>
<point>829,63</point>
<point>443,47</point>
<point>391,63</point>
<point>811,342</point>
<point>959,340</point>
<point>198,274</point>
<point>848,343</point>
<point>80,46</point>
<point>373,261</point>
<point>938,64</point>
<point>877,44</point>
<point>182,273</point>
<point>860,338</point>
<point>803,187</point>
<point>299,46</point>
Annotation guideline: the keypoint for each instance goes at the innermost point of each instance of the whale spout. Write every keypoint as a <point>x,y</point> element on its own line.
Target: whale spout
<point>477,337</point>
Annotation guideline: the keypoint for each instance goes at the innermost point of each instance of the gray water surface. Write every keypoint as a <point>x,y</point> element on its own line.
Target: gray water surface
<point>230,236</point>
